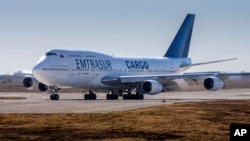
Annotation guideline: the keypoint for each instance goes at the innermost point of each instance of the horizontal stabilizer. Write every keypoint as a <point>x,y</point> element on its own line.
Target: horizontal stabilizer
<point>211,62</point>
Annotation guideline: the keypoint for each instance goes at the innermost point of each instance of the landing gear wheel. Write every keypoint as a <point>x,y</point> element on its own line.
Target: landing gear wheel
<point>133,97</point>
<point>54,96</point>
<point>112,97</point>
<point>116,97</point>
<point>94,96</point>
<point>141,96</point>
<point>86,96</point>
<point>90,96</point>
<point>137,96</point>
<point>127,96</point>
<point>124,97</point>
<point>108,96</point>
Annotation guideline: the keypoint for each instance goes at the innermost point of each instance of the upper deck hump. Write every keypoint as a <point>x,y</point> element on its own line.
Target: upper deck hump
<point>77,53</point>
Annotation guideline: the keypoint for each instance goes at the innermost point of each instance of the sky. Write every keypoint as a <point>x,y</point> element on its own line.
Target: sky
<point>29,28</point>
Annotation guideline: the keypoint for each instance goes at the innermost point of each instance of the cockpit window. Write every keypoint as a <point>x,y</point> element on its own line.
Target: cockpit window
<point>51,54</point>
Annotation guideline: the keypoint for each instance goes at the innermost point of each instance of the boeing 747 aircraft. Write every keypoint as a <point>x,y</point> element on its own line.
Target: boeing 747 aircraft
<point>128,77</point>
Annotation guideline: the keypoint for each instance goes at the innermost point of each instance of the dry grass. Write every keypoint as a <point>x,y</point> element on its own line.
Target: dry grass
<point>181,121</point>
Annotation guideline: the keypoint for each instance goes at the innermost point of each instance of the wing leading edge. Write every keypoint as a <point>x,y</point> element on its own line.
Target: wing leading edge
<point>205,63</point>
<point>114,80</point>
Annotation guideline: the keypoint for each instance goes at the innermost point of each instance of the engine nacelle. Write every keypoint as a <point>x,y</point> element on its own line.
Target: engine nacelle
<point>28,82</point>
<point>213,83</point>
<point>32,84</point>
<point>151,87</point>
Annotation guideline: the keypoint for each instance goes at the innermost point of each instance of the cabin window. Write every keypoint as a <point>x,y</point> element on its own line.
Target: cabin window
<point>51,54</point>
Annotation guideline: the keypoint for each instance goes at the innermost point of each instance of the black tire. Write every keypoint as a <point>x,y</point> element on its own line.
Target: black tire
<point>141,96</point>
<point>116,97</point>
<point>129,96</point>
<point>124,97</point>
<point>108,96</point>
<point>94,96</point>
<point>133,96</point>
<point>86,97</point>
<point>52,97</point>
<point>91,96</point>
<point>137,96</point>
<point>56,96</point>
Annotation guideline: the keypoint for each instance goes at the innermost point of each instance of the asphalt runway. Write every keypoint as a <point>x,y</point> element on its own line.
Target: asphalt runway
<point>40,103</point>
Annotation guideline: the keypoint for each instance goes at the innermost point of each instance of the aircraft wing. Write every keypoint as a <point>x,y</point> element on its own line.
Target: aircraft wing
<point>205,63</point>
<point>113,80</point>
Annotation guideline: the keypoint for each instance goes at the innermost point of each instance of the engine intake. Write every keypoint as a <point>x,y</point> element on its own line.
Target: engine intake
<point>213,83</point>
<point>151,87</point>
<point>27,82</point>
<point>42,87</point>
<point>33,84</point>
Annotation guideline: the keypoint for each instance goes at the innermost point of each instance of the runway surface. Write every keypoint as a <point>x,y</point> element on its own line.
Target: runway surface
<point>74,103</point>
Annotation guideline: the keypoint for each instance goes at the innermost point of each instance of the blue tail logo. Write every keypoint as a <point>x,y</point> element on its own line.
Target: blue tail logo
<point>179,47</point>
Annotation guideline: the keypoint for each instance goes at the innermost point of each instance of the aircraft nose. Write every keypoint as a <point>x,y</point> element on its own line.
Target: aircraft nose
<point>36,71</point>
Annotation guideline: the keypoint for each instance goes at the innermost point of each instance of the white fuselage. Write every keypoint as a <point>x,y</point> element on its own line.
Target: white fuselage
<point>85,69</point>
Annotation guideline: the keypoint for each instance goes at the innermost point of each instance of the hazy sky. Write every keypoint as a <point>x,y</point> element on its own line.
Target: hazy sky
<point>28,28</point>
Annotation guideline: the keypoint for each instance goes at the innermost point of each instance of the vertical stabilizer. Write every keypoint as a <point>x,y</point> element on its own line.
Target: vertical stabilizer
<point>180,45</point>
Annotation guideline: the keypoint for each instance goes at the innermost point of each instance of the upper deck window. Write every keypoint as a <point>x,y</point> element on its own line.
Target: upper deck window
<point>51,54</point>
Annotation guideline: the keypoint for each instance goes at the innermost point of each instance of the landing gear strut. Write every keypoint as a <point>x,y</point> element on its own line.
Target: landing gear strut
<point>90,96</point>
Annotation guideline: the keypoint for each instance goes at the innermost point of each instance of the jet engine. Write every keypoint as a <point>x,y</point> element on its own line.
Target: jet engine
<point>213,83</point>
<point>33,84</point>
<point>151,87</point>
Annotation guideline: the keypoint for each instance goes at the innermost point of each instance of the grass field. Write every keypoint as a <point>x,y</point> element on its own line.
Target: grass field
<point>205,121</point>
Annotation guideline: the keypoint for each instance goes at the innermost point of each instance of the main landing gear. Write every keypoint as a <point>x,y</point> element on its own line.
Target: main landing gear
<point>90,96</point>
<point>130,96</point>
<point>133,97</point>
<point>113,95</point>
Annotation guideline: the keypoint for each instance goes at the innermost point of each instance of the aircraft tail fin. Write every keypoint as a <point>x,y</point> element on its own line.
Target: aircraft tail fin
<point>179,47</point>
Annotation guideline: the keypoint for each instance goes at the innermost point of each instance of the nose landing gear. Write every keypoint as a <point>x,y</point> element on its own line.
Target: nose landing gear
<point>54,95</point>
